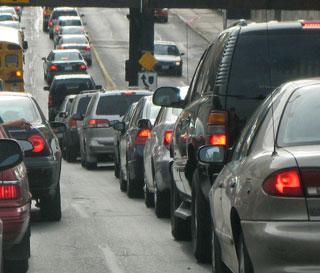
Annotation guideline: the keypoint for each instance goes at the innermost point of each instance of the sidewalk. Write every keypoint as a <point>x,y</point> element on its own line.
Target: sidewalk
<point>206,22</point>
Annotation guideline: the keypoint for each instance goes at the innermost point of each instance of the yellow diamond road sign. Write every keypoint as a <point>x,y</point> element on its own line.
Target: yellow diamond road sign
<point>147,61</point>
<point>16,2</point>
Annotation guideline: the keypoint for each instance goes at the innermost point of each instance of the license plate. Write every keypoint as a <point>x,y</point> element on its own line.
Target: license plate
<point>68,68</point>
<point>165,67</point>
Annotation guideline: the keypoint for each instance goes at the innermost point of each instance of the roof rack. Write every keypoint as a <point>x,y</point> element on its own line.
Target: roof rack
<point>241,23</point>
<point>90,91</point>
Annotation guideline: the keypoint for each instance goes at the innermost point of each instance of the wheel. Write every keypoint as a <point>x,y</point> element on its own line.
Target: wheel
<point>50,207</point>
<point>180,228</point>
<point>200,223</point>
<point>148,198</point>
<point>19,256</point>
<point>179,71</point>
<point>131,189</point>
<point>87,164</point>
<point>217,265</point>
<point>162,203</point>
<point>70,154</point>
<point>245,265</point>
<point>116,169</point>
<point>123,182</point>
<point>89,62</point>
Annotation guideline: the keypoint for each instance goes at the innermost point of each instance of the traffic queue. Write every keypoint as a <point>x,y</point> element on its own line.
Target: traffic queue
<point>229,159</point>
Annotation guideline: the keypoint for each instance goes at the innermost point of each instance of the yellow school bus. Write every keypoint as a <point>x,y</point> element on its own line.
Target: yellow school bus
<point>11,59</point>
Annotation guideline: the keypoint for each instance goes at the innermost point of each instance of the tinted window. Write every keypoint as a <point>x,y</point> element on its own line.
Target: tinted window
<point>12,108</point>
<point>160,49</point>
<point>70,23</point>
<point>6,17</point>
<point>300,122</point>
<point>59,13</point>
<point>82,105</point>
<point>74,40</point>
<point>116,105</point>
<point>65,56</point>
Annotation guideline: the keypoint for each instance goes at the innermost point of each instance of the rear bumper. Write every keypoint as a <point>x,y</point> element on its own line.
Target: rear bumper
<point>43,174</point>
<point>283,247</point>
<point>51,75</point>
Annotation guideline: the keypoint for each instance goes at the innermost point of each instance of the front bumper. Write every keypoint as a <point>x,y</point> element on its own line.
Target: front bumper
<point>283,247</point>
<point>164,68</point>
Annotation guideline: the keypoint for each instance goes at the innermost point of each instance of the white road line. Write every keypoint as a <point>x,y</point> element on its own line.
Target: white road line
<point>111,260</point>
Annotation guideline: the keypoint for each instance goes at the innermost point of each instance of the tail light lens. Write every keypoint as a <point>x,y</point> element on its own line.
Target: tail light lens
<point>72,123</point>
<point>285,183</point>
<point>60,47</point>
<point>83,67</point>
<point>50,100</point>
<point>57,29</point>
<point>98,123</point>
<point>38,143</point>
<point>142,136</point>
<point>9,192</point>
<point>87,48</point>
<point>167,138</point>
<point>50,23</point>
<point>218,140</point>
<point>53,68</point>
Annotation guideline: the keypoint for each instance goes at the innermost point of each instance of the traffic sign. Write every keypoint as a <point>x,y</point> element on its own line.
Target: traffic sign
<point>147,61</point>
<point>14,2</point>
<point>148,80</point>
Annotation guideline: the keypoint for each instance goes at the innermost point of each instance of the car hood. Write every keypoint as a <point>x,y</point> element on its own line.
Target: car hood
<point>306,156</point>
<point>167,58</point>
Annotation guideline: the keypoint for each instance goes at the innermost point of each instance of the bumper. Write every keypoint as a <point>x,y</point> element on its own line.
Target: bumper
<point>167,68</point>
<point>283,247</point>
<point>43,174</point>
<point>15,223</point>
<point>99,146</point>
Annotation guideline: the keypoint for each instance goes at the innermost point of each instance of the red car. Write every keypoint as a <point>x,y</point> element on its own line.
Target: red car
<point>161,15</point>
<point>15,203</point>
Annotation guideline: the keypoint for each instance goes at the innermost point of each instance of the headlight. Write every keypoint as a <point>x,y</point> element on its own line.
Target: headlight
<point>178,63</point>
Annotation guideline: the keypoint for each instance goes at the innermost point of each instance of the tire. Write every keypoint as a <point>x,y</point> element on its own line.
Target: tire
<point>90,165</point>
<point>148,198</point>
<point>123,183</point>
<point>89,62</point>
<point>217,265</point>
<point>245,265</point>
<point>180,229</point>
<point>116,170</point>
<point>162,203</point>
<point>200,223</point>
<point>51,35</point>
<point>131,189</point>
<point>50,207</point>
<point>70,154</point>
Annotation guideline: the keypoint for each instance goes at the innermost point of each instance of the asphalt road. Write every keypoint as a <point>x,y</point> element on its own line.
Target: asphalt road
<point>101,229</point>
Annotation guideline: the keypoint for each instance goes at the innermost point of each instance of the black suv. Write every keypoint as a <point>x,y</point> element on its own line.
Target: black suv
<point>234,75</point>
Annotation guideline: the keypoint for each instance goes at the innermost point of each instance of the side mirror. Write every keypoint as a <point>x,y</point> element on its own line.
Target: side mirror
<point>98,87</point>
<point>211,154</point>
<point>168,97</point>
<point>58,128</point>
<point>144,124</point>
<point>11,154</point>
<point>44,58</point>
<point>47,88</point>
<point>119,126</point>
<point>182,54</point>
<point>25,145</point>
<point>25,45</point>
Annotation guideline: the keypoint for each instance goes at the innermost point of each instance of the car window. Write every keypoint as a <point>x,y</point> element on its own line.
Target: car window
<point>300,121</point>
<point>162,49</point>
<point>82,105</point>
<point>67,56</point>
<point>70,23</point>
<point>150,111</point>
<point>56,14</point>
<point>137,113</point>
<point>68,105</point>
<point>73,40</point>
<point>13,108</point>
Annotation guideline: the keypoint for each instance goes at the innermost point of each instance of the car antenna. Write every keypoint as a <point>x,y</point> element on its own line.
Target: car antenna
<point>270,82</point>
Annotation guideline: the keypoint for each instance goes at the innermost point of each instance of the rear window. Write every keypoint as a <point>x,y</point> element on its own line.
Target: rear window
<point>74,40</point>
<point>59,13</point>
<point>70,23</point>
<point>116,105</point>
<point>160,49</point>
<point>292,56</point>
<point>82,105</point>
<point>300,121</point>
<point>67,56</point>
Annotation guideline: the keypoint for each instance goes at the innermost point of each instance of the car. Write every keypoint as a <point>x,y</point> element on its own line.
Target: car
<point>79,42</point>
<point>274,166</point>
<point>221,98</point>
<point>70,30</point>
<point>15,25</point>
<point>73,121</point>
<point>157,161</point>
<point>15,205</point>
<point>43,162</point>
<point>19,11</point>
<point>64,108</point>
<point>56,13</point>
<point>64,85</point>
<point>64,21</point>
<point>7,17</point>
<point>168,58</point>
<point>9,10</point>
<point>58,62</point>
<point>96,132</point>
<point>161,15</point>
<point>135,135</point>
<point>45,17</point>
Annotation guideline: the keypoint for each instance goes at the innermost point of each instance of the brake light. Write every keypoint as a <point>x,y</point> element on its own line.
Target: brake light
<point>167,138</point>
<point>311,24</point>
<point>50,23</point>
<point>218,139</point>
<point>87,48</point>
<point>53,68</point>
<point>9,192</point>
<point>83,67</point>
<point>127,93</point>
<point>17,8</point>
<point>285,183</point>
<point>37,142</point>
<point>142,136</point>
<point>50,100</point>
<point>57,29</point>
<point>98,123</point>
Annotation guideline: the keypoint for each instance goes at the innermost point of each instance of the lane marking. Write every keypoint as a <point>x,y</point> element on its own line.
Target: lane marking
<point>111,260</point>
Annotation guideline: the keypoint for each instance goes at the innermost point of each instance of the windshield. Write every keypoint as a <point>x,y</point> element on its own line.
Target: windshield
<point>116,105</point>
<point>74,40</point>
<point>13,108</point>
<point>160,49</point>
<point>67,56</point>
<point>300,121</point>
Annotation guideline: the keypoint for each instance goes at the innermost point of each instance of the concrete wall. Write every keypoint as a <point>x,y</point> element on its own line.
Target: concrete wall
<point>262,15</point>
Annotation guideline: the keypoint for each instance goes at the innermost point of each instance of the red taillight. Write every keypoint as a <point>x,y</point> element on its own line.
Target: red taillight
<point>127,93</point>
<point>87,48</point>
<point>9,192</point>
<point>218,139</point>
<point>17,8</point>
<point>311,24</point>
<point>73,123</point>
<point>98,123</point>
<point>285,183</point>
<point>142,136</point>
<point>38,143</point>
<point>50,100</point>
<point>57,29</point>
<point>53,68</point>
<point>83,67</point>
<point>60,47</point>
<point>167,138</point>
<point>50,23</point>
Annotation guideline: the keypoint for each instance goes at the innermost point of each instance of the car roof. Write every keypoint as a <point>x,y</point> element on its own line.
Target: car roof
<point>165,43</point>
<point>65,18</point>
<point>72,76</point>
